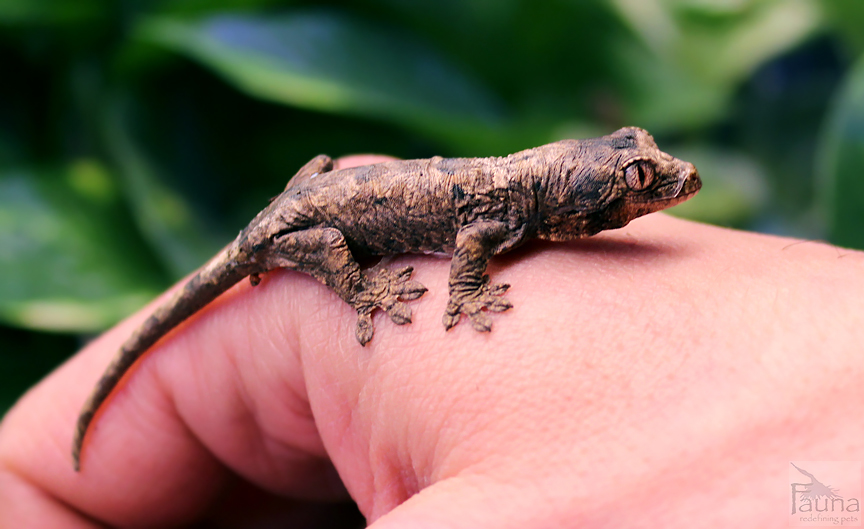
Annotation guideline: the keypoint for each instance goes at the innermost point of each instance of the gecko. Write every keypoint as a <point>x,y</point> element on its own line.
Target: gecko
<point>470,208</point>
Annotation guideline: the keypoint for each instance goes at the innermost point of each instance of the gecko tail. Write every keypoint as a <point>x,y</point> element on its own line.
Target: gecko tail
<point>217,276</point>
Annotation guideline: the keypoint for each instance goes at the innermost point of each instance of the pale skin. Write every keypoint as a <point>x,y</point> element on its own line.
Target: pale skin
<point>660,375</point>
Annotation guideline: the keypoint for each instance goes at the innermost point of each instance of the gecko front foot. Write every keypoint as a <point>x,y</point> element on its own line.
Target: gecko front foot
<point>387,290</point>
<point>471,300</point>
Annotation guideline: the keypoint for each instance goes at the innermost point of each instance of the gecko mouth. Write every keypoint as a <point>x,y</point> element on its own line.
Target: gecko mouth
<point>681,196</point>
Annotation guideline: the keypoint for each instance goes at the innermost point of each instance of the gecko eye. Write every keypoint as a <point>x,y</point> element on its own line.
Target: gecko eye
<point>639,175</point>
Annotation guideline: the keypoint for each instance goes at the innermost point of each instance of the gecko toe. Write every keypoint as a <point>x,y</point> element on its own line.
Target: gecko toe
<point>476,303</point>
<point>410,290</point>
<point>481,321</point>
<point>450,320</point>
<point>499,305</point>
<point>364,330</point>
<point>400,313</point>
<point>385,290</point>
<point>404,273</point>
<point>498,289</point>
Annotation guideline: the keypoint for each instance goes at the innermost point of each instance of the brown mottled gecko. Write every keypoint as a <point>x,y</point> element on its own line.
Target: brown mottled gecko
<point>473,208</point>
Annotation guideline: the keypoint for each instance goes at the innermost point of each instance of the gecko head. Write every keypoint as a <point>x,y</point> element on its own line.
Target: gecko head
<point>646,178</point>
<point>608,181</point>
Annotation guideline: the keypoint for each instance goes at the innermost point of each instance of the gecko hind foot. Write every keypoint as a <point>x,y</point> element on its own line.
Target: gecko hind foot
<point>387,290</point>
<point>474,302</point>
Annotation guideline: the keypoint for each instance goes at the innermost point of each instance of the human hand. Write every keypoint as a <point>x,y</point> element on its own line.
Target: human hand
<point>661,375</point>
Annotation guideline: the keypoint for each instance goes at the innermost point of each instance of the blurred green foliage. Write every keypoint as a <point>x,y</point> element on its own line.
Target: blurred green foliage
<point>137,137</point>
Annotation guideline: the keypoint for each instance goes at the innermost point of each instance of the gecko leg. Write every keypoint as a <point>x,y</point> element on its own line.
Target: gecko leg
<point>470,289</point>
<point>314,167</point>
<point>318,165</point>
<point>323,253</point>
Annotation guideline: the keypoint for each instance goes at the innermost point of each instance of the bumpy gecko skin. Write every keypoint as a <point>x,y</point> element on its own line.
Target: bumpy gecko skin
<point>472,208</point>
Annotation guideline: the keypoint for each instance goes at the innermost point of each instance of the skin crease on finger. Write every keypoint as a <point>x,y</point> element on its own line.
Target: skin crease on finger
<point>624,383</point>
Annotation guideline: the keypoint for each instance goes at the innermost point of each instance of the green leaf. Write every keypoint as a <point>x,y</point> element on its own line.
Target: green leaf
<point>663,97</point>
<point>840,162</point>
<point>729,47</point>
<point>721,43</point>
<point>188,8</point>
<point>734,187</point>
<point>68,260</point>
<point>847,16</point>
<point>335,63</point>
<point>50,11</point>
<point>168,222</point>
<point>694,53</point>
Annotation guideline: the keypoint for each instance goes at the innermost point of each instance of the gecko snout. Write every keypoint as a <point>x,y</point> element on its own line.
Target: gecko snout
<point>688,181</point>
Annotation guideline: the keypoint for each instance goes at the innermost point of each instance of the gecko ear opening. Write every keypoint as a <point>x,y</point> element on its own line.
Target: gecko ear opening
<point>639,175</point>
